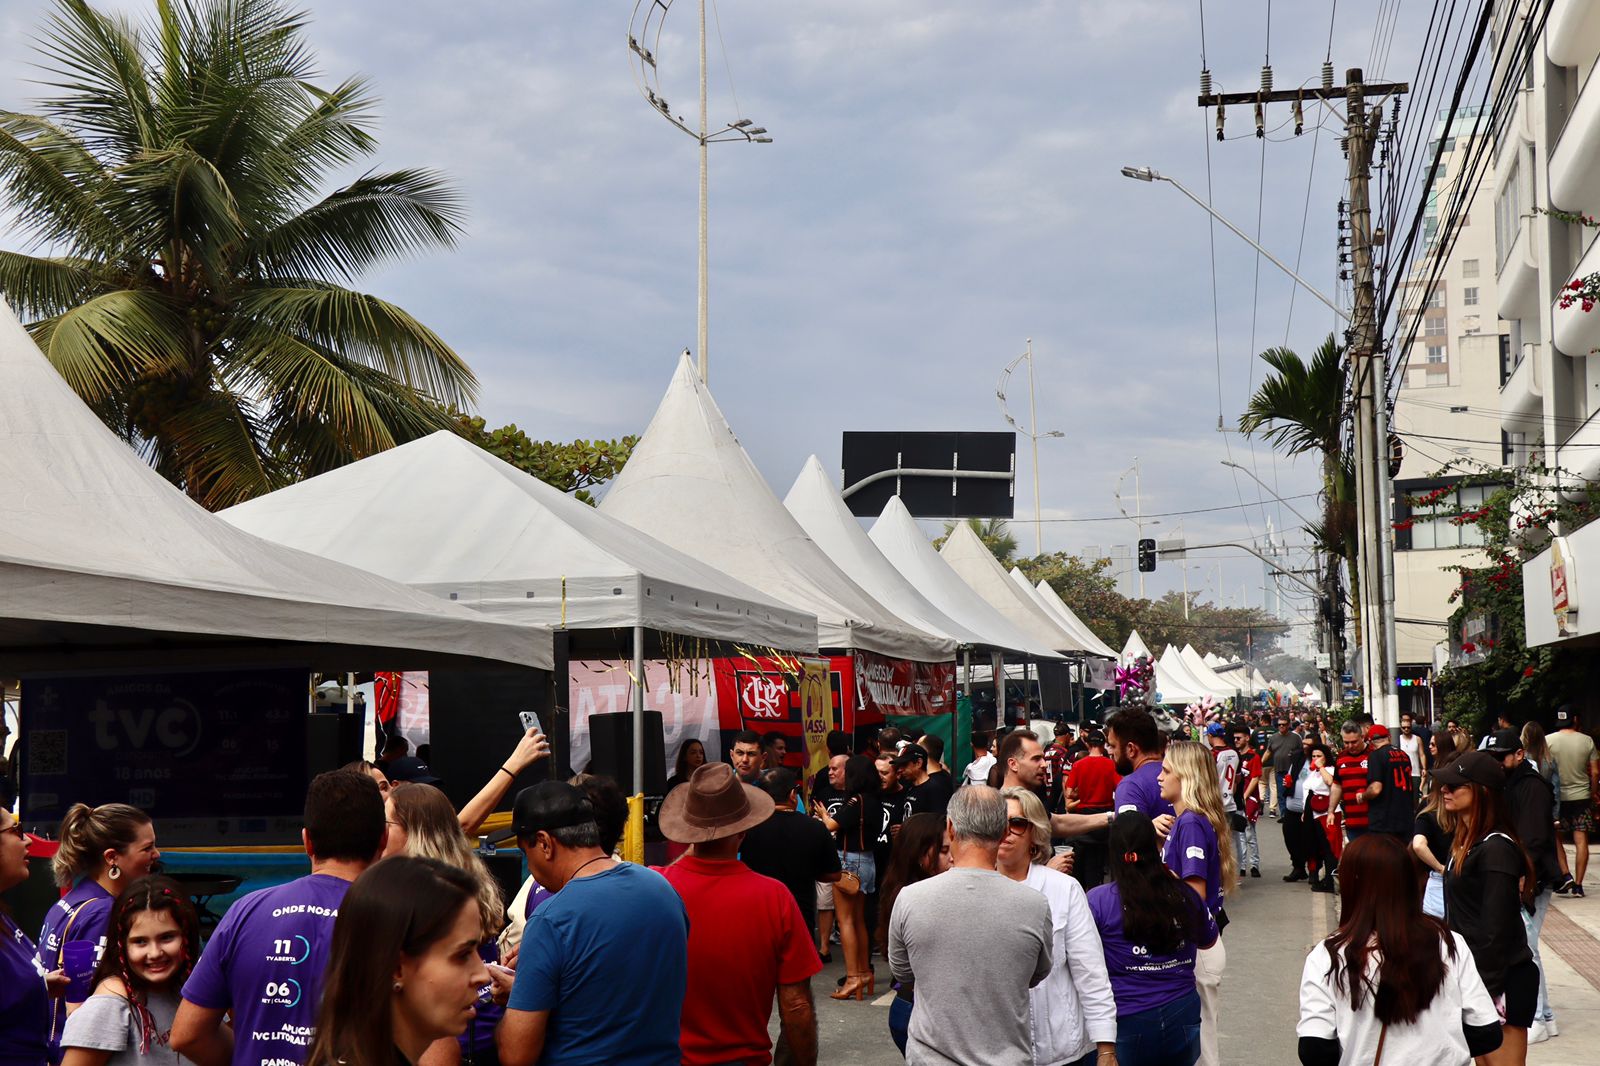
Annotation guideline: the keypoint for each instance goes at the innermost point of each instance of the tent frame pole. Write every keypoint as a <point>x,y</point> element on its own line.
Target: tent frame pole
<point>636,801</point>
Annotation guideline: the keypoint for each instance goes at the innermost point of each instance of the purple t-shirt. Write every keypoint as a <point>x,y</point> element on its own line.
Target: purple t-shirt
<point>84,913</point>
<point>479,1037</point>
<point>1191,851</point>
<point>1141,791</point>
<point>265,964</point>
<point>1140,980</point>
<point>24,1006</point>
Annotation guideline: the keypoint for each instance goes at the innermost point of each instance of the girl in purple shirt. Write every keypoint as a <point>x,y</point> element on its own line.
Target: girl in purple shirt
<point>103,849</point>
<point>1150,926</point>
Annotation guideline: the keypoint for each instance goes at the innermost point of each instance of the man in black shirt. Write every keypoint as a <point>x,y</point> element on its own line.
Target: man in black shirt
<point>790,847</point>
<point>1391,803</point>
<point>925,793</point>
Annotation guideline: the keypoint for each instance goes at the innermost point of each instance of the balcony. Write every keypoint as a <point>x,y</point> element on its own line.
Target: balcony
<point>1575,163</point>
<point>1577,332</point>
<point>1573,34</point>
<point>1518,282</point>
<point>1521,398</point>
<point>1580,453</point>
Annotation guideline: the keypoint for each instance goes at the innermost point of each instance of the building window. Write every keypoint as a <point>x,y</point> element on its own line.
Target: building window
<point>1433,327</point>
<point>1434,379</point>
<point>1435,353</point>
<point>1437,524</point>
<point>1469,268</point>
<point>1469,296</point>
<point>1508,215</point>
<point>1435,300</point>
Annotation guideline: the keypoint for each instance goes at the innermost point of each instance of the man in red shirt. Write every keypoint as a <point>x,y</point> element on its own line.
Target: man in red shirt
<point>747,938</point>
<point>1090,783</point>
<point>1350,781</point>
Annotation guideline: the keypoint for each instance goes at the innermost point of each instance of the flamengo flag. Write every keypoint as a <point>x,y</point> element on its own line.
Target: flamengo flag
<point>386,696</point>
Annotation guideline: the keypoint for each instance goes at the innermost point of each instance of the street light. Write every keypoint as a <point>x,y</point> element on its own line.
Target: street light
<point>644,36</point>
<point>1151,175</point>
<point>1030,431</point>
<point>1249,474</point>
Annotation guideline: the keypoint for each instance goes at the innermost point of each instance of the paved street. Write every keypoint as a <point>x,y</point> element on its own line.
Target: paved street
<point>1273,926</point>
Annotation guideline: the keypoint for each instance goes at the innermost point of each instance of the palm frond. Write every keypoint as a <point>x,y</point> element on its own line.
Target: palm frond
<point>51,179</point>
<point>218,451</point>
<point>105,86</point>
<point>40,286</point>
<point>99,345</point>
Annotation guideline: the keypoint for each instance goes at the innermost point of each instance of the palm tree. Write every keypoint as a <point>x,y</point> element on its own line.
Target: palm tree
<point>995,534</point>
<point>1300,410</point>
<point>183,273</point>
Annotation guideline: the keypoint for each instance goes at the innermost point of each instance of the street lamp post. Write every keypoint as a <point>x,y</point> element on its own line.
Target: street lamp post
<point>1031,431</point>
<point>644,35</point>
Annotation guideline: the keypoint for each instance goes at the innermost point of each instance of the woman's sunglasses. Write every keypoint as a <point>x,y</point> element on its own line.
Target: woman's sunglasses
<point>1019,824</point>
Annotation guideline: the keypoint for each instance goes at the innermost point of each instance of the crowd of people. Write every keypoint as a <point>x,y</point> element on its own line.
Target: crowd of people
<point>1095,871</point>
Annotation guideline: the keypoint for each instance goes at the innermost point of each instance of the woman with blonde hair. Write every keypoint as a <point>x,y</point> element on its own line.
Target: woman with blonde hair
<point>1072,1014</point>
<point>103,850</point>
<point>424,825</point>
<point>1198,850</point>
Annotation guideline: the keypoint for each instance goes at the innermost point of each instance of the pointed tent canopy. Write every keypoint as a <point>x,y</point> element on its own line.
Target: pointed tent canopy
<point>445,516</point>
<point>969,557</point>
<point>1135,648</point>
<point>1257,682</point>
<point>898,537</point>
<point>690,484</point>
<point>1205,675</point>
<point>1064,616</point>
<point>1213,660</point>
<point>103,562</point>
<point>822,513</point>
<point>1173,683</point>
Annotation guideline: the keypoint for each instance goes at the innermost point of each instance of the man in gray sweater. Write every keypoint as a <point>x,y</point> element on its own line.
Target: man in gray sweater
<point>974,941</point>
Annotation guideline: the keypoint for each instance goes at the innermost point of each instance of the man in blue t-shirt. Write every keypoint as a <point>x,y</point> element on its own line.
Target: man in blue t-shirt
<point>264,964</point>
<point>604,963</point>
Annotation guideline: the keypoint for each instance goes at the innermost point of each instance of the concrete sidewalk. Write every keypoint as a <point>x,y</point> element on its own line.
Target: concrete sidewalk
<point>1570,946</point>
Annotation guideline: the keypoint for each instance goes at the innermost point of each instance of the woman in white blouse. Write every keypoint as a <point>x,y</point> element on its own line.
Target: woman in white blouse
<point>1391,985</point>
<point>1072,1012</point>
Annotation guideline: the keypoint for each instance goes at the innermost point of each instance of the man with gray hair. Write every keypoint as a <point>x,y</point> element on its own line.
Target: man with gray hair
<point>971,1007</point>
<point>580,950</point>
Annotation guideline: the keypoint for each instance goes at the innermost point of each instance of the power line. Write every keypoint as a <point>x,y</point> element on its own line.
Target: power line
<point>1177,514</point>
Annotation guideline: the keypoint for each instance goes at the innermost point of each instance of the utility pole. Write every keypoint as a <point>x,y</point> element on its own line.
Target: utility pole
<point>1374,578</point>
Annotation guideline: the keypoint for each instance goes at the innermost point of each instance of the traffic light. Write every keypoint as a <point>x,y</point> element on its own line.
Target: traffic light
<point>1147,556</point>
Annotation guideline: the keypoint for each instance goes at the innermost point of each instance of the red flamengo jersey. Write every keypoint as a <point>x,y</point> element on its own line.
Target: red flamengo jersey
<point>1351,771</point>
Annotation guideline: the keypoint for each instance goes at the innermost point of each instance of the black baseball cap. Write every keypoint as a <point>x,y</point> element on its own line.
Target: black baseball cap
<point>545,806</point>
<point>1503,742</point>
<point>412,769</point>
<point>910,755</point>
<point>1475,767</point>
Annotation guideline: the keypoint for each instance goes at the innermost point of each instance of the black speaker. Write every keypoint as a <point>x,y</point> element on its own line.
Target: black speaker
<point>332,740</point>
<point>473,726</point>
<point>611,745</point>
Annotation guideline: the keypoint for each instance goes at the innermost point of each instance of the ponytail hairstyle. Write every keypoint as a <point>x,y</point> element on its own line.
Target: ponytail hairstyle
<point>148,894</point>
<point>1202,794</point>
<point>1159,912</point>
<point>433,832</point>
<point>87,833</point>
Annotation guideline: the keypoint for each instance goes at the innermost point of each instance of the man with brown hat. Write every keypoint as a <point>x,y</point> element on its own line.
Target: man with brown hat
<point>747,938</point>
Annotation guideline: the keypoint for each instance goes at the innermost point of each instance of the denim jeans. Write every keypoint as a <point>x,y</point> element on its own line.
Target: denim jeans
<point>1433,895</point>
<point>1247,848</point>
<point>1535,923</point>
<point>899,1021</point>
<point>1168,1035</point>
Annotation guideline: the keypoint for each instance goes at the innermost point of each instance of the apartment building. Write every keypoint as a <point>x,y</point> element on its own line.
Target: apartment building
<point>1447,413</point>
<point>1547,157</point>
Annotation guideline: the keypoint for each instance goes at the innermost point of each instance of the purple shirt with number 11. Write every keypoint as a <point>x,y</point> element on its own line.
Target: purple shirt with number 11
<point>265,964</point>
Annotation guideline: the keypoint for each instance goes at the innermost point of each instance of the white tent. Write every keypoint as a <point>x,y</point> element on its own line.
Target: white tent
<point>1257,682</point>
<point>1173,683</point>
<point>1134,648</point>
<point>822,513</point>
<point>1213,660</point>
<point>691,484</point>
<point>1064,616</point>
<point>105,563</point>
<point>445,516</point>
<point>1207,677</point>
<point>970,558</point>
<point>902,542</point>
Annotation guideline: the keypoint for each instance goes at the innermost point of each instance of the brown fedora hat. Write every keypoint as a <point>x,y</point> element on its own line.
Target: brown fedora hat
<point>712,805</point>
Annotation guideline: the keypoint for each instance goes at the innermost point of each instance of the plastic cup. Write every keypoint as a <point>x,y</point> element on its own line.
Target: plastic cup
<point>77,959</point>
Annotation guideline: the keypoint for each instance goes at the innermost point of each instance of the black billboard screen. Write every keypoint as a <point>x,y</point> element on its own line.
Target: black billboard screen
<point>955,494</point>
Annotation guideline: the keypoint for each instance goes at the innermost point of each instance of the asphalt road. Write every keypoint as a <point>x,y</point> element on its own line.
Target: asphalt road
<point>1272,926</point>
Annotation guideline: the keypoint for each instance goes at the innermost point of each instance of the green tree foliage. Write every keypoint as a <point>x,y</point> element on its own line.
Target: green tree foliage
<point>193,286</point>
<point>573,466</point>
<point>996,536</point>
<point>1088,587</point>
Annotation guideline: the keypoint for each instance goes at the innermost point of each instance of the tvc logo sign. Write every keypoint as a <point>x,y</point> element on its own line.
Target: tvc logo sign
<point>175,727</point>
<point>764,696</point>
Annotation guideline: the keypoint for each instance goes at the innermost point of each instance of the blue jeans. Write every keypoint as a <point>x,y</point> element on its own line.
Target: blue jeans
<point>1534,923</point>
<point>899,1021</point>
<point>1168,1035</point>
<point>864,866</point>
<point>1433,895</point>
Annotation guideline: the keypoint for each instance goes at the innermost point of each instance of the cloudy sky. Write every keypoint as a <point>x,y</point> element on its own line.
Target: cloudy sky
<point>943,183</point>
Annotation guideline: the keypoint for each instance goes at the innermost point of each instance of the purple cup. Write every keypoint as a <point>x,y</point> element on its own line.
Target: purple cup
<point>77,959</point>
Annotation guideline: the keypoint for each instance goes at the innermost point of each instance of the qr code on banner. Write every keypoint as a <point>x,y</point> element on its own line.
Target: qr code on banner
<point>47,751</point>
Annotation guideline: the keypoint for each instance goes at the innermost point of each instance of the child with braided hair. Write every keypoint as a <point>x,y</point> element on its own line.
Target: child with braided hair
<point>152,942</point>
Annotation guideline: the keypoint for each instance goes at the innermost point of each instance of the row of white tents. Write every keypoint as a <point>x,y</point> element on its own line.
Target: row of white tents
<point>1184,676</point>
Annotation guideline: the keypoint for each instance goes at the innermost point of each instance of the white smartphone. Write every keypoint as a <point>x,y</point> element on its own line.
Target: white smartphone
<point>529,720</point>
